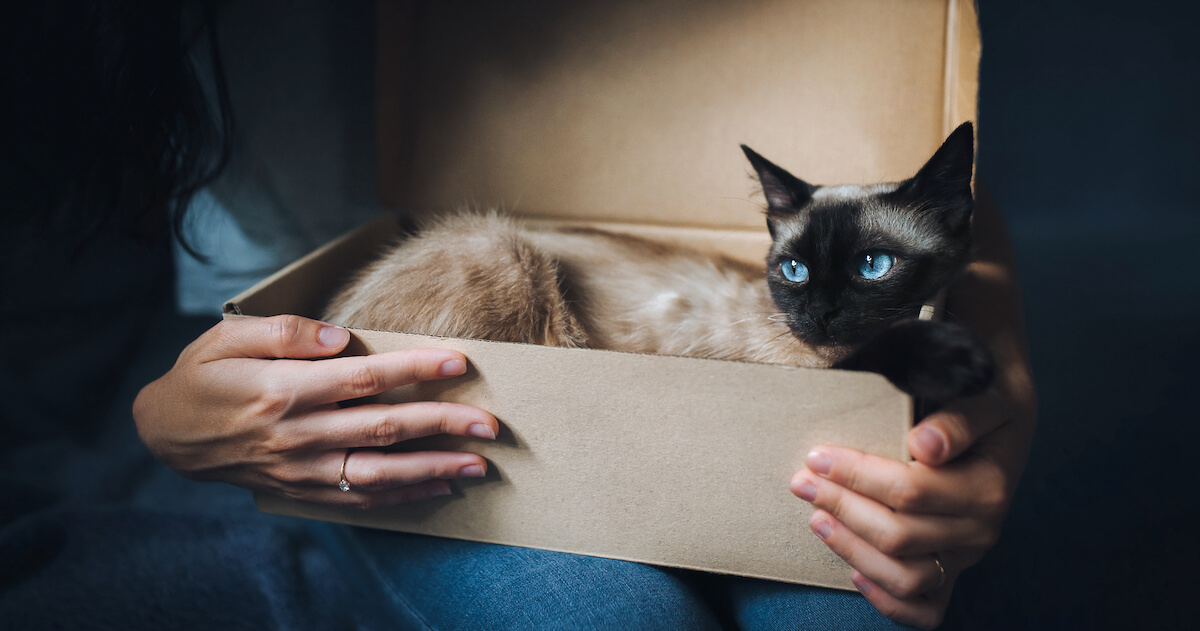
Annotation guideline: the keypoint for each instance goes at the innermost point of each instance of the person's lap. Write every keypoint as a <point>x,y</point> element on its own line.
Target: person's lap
<point>445,584</point>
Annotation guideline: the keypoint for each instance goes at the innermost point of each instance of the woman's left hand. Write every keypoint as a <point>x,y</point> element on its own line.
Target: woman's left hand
<point>909,528</point>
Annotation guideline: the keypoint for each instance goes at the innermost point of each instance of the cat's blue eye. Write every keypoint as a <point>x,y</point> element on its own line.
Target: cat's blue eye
<point>875,265</point>
<point>794,271</point>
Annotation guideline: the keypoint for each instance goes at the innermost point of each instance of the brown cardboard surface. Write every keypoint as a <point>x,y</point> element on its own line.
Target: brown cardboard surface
<point>629,114</point>
<point>633,111</point>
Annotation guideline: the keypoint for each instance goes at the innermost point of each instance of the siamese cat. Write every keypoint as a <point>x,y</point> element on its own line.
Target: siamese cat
<point>847,273</point>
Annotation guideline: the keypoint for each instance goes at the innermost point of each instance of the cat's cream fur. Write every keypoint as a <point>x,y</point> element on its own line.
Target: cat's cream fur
<point>484,276</point>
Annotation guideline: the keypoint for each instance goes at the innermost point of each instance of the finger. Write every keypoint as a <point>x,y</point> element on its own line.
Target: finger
<point>973,485</point>
<point>892,533</point>
<point>384,425</point>
<point>372,471</point>
<point>925,611</point>
<point>345,378</point>
<point>283,336</point>
<point>368,500</point>
<point>943,435</point>
<point>906,577</point>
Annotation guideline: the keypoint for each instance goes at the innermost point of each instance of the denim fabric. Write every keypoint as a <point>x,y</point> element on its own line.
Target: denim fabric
<point>765,605</point>
<point>445,584</point>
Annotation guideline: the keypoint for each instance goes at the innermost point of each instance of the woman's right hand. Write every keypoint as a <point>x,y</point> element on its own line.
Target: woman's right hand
<point>244,405</point>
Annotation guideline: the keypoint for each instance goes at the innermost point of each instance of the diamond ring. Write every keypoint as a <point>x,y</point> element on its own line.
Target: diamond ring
<point>344,484</point>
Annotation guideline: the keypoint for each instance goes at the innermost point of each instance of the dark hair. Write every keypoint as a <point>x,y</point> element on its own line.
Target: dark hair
<point>111,129</point>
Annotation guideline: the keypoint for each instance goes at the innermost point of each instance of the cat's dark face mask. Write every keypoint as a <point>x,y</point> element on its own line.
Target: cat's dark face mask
<point>847,261</point>
<point>856,279</point>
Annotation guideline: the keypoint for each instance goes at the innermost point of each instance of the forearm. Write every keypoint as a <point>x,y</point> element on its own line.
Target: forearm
<point>988,299</point>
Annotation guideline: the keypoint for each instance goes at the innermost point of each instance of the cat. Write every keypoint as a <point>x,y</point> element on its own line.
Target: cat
<point>848,270</point>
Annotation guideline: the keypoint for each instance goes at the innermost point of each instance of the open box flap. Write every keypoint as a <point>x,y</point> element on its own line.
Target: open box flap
<point>633,112</point>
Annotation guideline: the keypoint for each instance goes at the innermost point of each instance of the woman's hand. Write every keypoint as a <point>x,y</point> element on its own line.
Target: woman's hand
<point>244,405</point>
<point>909,528</point>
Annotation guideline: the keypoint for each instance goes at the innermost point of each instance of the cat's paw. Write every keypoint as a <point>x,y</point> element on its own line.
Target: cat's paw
<point>935,361</point>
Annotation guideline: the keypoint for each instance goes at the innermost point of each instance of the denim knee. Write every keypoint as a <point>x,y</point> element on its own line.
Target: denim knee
<point>445,584</point>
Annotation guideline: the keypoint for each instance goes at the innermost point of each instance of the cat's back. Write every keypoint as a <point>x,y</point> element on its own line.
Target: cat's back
<point>487,276</point>
<point>474,275</point>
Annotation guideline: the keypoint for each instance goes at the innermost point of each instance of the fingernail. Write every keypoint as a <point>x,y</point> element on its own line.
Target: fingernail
<point>931,442</point>
<point>860,582</point>
<point>481,431</point>
<point>452,367</point>
<point>333,336</point>
<point>818,463</point>
<point>822,528</point>
<point>440,490</point>
<point>472,471</point>
<point>806,491</point>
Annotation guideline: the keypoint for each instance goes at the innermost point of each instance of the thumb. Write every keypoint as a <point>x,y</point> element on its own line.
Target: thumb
<point>947,433</point>
<point>283,336</point>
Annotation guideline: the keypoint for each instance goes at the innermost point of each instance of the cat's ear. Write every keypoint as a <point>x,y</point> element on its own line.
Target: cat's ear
<point>946,178</point>
<point>785,192</point>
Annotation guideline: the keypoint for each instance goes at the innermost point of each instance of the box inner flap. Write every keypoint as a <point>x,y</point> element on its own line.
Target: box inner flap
<point>633,112</point>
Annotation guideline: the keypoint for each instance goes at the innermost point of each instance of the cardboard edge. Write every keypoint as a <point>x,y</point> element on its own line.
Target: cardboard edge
<point>961,74</point>
<point>907,423</point>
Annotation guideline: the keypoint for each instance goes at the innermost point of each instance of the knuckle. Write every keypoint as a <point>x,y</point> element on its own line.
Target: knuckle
<point>435,471</point>
<point>370,477</point>
<point>290,493</point>
<point>385,431</point>
<point>851,474</point>
<point>440,414</point>
<point>907,587</point>
<point>893,541</point>
<point>287,329</point>
<point>279,443</point>
<point>220,331</point>
<point>836,505</point>
<point>288,474</point>
<point>364,381</point>
<point>274,400</point>
<point>906,495</point>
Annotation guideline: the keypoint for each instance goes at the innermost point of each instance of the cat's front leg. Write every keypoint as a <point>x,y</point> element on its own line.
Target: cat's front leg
<point>936,362</point>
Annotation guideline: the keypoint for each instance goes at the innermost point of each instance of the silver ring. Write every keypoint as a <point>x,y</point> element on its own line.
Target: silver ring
<point>344,484</point>
<point>937,560</point>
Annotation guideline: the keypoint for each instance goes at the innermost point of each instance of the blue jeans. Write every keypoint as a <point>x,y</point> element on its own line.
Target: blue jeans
<point>445,584</point>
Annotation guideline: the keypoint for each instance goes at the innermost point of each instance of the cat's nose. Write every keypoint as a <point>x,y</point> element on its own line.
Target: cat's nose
<point>821,313</point>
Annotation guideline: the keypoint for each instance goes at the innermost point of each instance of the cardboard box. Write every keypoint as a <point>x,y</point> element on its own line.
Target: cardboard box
<point>629,115</point>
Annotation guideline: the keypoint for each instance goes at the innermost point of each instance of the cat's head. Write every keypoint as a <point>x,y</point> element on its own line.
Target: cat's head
<point>849,260</point>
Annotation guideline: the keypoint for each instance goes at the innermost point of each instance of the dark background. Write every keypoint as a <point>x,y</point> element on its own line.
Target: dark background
<point>1087,139</point>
